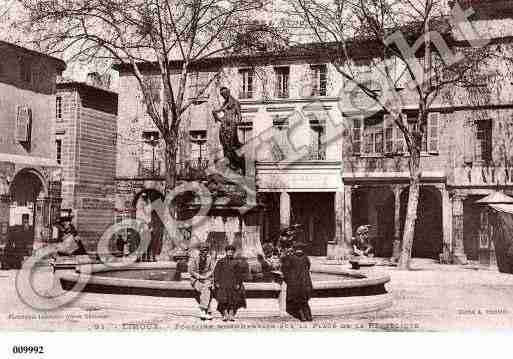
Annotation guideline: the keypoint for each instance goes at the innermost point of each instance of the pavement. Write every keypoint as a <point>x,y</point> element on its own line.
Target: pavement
<point>431,297</point>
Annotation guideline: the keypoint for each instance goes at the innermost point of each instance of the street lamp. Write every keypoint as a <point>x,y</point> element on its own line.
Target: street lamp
<point>152,138</point>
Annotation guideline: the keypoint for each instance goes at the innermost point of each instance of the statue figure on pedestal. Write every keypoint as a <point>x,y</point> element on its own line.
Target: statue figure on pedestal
<point>229,115</point>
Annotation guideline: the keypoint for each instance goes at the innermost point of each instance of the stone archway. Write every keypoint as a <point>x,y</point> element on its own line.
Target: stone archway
<point>144,211</point>
<point>428,238</point>
<point>374,206</point>
<point>26,192</point>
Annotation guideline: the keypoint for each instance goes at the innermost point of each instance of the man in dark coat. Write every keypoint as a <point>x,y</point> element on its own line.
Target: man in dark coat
<point>229,274</point>
<point>296,273</point>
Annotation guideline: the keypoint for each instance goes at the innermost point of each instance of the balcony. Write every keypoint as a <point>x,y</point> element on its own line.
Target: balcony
<point>192,170</point>
<point>483,175</point>
<point>150,169</point>
<point>280,153</point>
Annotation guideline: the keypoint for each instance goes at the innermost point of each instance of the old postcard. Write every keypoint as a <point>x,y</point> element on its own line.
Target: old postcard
<point>195,165</point>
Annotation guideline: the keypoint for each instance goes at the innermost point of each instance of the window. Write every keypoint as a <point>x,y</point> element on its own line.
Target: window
<point>357,136</point>
<point>424,143</point>
<point>432,132</point>
<point>400,141</point>
<point>381,136</point>
<point>282,82</point>
<point>246,91</point>
<point>484,140</point>
<point>280,140</point>
<point>245,130</point>
<point>58,108</point>
<point>149,163</point>
<point>199,83</point>
<point>389,133</point>
<point>373,136</point>
<point>25,70</point>
<point>154,85</point>
<point>318,140</point>
<point>319,82</point>
<point>198,144</point>
<point>58,145</point>
<point>23,125</point>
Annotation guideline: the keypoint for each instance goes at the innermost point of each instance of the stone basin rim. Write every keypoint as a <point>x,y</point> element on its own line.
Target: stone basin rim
<point>95,277</point>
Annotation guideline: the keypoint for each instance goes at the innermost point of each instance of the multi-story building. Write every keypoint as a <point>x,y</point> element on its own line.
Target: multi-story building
<point>85,143</point>
<point>328,160</point>
<point>29,173</point>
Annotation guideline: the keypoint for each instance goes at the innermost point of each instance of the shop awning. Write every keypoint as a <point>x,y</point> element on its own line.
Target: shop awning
<point>496,198</point>
<point>505,208</point>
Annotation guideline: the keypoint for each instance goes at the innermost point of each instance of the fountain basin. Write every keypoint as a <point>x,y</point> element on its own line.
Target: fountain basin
<point>336,290</point>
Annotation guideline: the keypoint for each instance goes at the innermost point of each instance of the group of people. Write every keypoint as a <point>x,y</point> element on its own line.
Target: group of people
<point>224,280</point>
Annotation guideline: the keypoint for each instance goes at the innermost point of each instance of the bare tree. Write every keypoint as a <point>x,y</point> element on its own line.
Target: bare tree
<point>409,43</point>
<point>159,33</point>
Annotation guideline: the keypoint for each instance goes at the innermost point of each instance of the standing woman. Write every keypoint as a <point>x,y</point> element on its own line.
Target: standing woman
<point>296,273</point>
<point>229,274</point>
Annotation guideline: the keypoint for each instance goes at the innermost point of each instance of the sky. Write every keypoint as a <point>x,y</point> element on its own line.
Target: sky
<point>12,10</point>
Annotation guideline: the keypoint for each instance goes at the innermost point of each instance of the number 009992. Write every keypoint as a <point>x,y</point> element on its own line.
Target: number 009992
<point>28,349</point>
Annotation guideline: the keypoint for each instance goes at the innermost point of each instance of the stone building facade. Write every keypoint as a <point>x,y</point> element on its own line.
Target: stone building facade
<point>322,161</point>
<point>85,142</point>
<point>29,173</point>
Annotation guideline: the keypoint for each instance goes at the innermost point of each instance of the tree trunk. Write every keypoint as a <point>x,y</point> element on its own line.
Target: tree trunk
<point>411,212</point>
<point>170,232</point>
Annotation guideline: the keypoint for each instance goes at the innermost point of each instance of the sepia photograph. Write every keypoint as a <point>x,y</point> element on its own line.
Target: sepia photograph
<point>255,165</point>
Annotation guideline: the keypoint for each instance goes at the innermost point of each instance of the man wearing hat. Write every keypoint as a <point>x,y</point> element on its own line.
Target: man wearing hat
<point>201,269</point>
<point>68,236</point>
<point>296,273</point>
<point>229,274</point>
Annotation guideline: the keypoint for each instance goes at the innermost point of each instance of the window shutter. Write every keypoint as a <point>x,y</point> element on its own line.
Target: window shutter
<point>317,139</point>
<point>307,89</point>
<point>388,124</point>
<point>279,143</point>
<point>400,142</point>
<point>250,84</point>
<point>357,135</point>
<point>433,129</point>
<point>314,81</point>
<point>322,141</point>
<point>468,141</point>
<point>23,124</point>
<point>277,80</point>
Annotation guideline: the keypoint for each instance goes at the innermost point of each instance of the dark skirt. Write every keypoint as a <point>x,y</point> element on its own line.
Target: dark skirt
<point>299,309</point>
<point>230,299</point>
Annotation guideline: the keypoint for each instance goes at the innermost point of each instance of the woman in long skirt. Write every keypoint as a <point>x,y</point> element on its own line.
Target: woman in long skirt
<point>229,274</point>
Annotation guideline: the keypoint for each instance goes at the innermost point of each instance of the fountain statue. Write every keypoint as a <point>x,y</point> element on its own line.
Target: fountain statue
<point>229,116</point>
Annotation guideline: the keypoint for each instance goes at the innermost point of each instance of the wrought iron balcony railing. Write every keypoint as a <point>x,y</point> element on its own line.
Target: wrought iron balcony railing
<point>150,169</point>
<point>193,169</point>
<point>280,153</point>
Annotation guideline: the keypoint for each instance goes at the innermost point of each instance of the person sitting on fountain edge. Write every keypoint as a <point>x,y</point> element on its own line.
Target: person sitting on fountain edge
<point>229,275</point>
<point>70,245</point>
<point>201,269</point>
<point>269,262</point>
<point>361,244</point>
